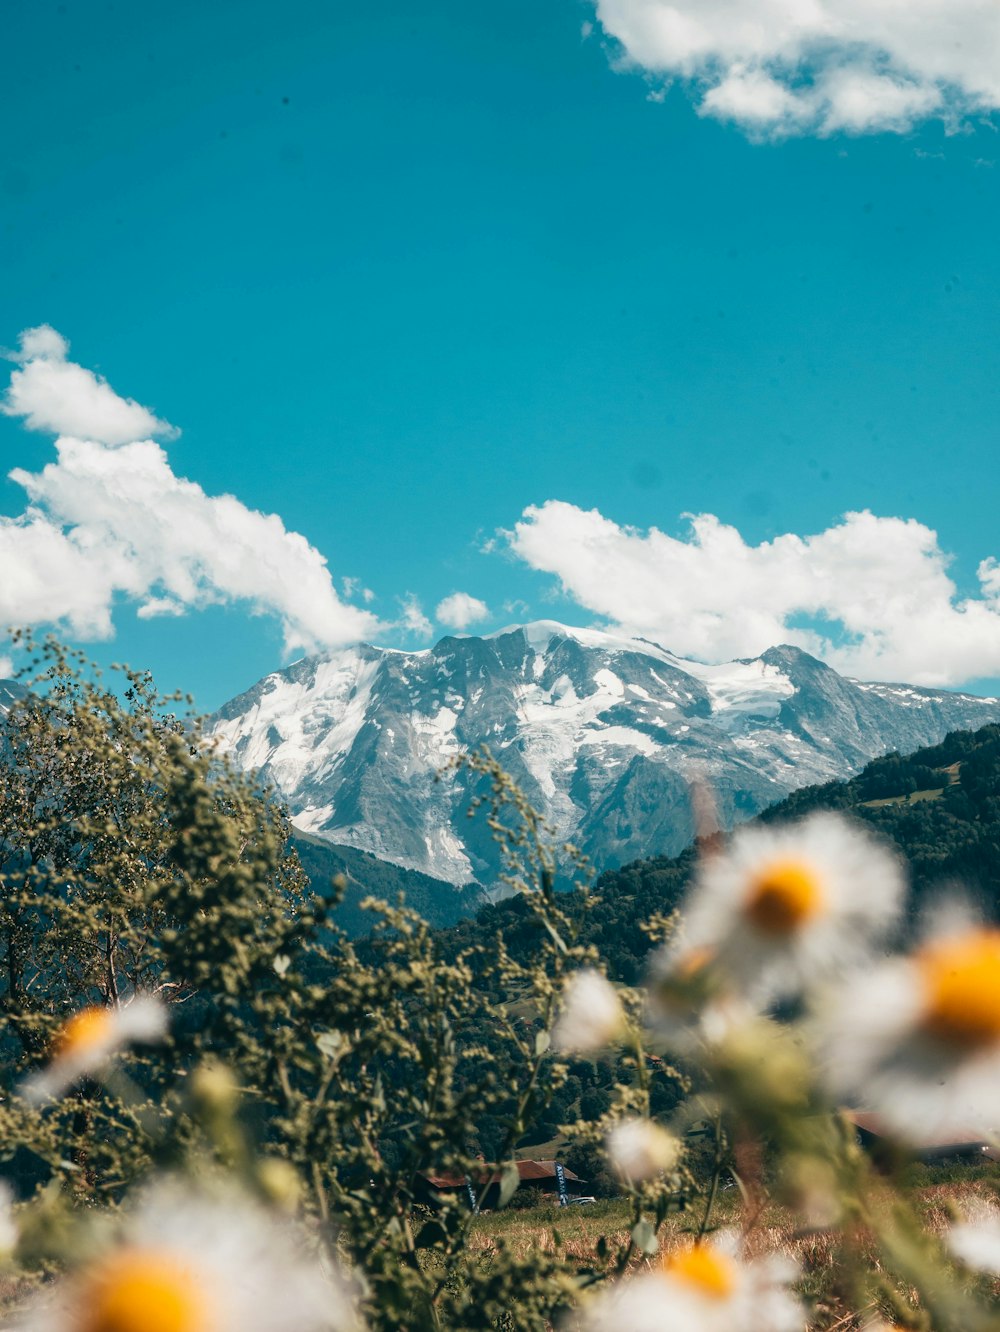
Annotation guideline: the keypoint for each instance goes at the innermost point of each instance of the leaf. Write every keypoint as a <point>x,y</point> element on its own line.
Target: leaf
<point>509,1181</point>
<point>281,963</point>
<point>644,1237</point>
<point>542,1042</point>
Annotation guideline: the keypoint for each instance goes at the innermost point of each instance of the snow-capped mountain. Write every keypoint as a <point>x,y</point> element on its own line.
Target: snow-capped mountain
<point>10,693</point>
<point>604,735</point>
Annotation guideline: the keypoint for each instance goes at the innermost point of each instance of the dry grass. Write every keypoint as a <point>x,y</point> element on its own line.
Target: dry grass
<point>820,1255</point>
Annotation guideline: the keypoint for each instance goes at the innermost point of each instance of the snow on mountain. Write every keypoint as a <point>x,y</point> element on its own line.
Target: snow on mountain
<point>10,692</point>
<point>605,735</point>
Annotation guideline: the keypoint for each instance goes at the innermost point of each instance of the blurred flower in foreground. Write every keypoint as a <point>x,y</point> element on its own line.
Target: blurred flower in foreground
<point>688,999</point>
<point>639,1149</point>
<point>192,1263</point>
<point>87,1040</point>
<point>809,1184</point>
<point>975,1241</point>
<point>918,1038</point>
<point>591,1016</point>
<point>8,1226</point>
<point>703,1287</point>
<point>783,906</point>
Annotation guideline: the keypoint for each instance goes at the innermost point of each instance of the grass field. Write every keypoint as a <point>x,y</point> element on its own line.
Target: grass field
<point>939,1192</point>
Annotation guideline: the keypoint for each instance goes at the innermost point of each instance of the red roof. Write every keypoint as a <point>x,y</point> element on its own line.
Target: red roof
<point>957,1136</point>
<point>525,1170</point>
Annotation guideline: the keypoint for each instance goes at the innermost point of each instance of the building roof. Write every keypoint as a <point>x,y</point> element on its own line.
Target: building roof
<point>527,1170</point>
<point>956,1136</point>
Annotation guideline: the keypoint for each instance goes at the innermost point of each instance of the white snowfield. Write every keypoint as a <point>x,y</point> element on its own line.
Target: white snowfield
<point>604,733</point>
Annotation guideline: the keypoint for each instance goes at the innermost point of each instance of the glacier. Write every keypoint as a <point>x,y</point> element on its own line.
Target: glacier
<point>605,734</point>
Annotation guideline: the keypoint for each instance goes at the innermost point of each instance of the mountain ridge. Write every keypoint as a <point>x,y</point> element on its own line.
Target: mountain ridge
<point>604,734</point>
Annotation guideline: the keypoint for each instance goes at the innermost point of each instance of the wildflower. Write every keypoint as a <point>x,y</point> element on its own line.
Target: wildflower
<point>689,1002</point>
<point>919,1036</point>
<point>975,1241</point>
<point>704,1287</point>
<point>194,1263</point>
<point>783,906</point>
<point>809,1184</point>
<point>591,1016</point>
<point>639,1149</point>
<point>89,1039</point>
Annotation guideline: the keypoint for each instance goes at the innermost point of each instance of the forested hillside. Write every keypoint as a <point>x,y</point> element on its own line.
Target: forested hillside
<point>940,806</point>
<point>439,903</point>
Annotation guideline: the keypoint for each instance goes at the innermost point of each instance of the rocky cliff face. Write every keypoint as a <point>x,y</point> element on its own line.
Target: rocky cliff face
<point>604,734</point>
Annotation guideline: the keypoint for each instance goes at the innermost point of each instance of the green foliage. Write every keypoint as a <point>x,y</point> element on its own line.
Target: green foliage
<point>340,1078</point>
<point>137,862</point>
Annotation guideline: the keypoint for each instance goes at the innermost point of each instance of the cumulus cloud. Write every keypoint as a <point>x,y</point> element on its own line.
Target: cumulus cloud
<point>817,66</point>
<point>460,610</point>
<point>412,619</point>
<point>55,394</point>
<point>109,520</point>
<point>870,595</point>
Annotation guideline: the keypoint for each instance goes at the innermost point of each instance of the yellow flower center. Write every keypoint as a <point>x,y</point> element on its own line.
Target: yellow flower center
<point>962,983</point>
<point>142,1291</point>
<point>712,1273</point>
<point>84,1030</point>
<point>783,896</point>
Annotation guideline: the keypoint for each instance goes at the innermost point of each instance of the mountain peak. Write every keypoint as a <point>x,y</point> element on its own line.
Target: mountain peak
<point>604,733</point>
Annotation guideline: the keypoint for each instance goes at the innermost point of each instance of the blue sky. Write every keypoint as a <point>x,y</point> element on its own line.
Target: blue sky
<point>398,276</point>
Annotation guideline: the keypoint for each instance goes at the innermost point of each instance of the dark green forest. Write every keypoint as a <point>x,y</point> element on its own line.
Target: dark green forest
<point>439,903</point>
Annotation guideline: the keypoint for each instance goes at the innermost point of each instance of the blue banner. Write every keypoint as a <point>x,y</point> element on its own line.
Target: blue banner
<point>561,1181</point>
<point>472,1193</point>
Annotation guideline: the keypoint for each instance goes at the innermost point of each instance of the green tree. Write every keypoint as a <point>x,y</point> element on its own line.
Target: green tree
<point>135,861</point>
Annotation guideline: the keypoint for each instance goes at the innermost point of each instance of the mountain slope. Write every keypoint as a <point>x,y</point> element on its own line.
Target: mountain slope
<point>940,806</point>
<point>604,734</point>
<point>438,903</point>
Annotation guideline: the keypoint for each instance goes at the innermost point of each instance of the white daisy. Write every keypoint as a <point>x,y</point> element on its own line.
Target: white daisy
<point>89,1039</point>
<point>591,1016</point>
<point>917,1038</point>
<point>975,1240</point>
<point>639,1149</point>
<point>782,907</point>
<point>193,1263</point>
<point>704,1287</point>
<point>689,1001</point>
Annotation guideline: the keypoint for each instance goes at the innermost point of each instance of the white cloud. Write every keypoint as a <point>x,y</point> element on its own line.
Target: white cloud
<point>57,395</point>
<point>6,668</point>
<point>157,606</point>
<point>412,619</point>
<point>460,610</point>
<point>353,587</point>
<point>109,520</point>
<point>817,66</point>
<point>881,584</point>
